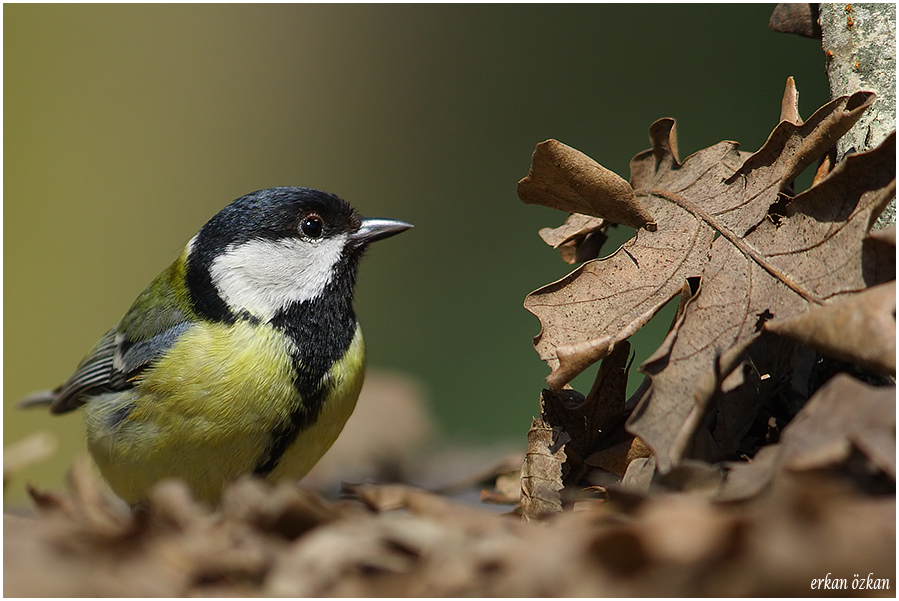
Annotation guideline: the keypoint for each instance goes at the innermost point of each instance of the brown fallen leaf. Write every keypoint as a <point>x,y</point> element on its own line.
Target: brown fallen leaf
<point>384,497</point>
<point>859,328</point>
<point>798,18</point>
<point>97,515</point>
<point>283,509</point>
<point>789,106</point>
<point>825,165</point>
<point>579,239</point>
<point>506,489</point>
<point>844,414</point>
<point>541,473</point>
<point>685,530</point>
<point>589,419</point>
<point>618,457</point>
<point>664,544</point>
<point>576,226</point>
<point>791,148</point>
<point>773,257</point>
<point>639,475</point>
<point>813,254</point>
<point>841,413</point>
<point>354,558</point>
<point>566,179</point>
<point>886,235</point>
<point>879,256</point>
<point>604,301</point>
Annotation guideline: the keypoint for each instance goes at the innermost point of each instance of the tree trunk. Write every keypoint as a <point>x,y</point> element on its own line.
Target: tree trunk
<point>859,43</point>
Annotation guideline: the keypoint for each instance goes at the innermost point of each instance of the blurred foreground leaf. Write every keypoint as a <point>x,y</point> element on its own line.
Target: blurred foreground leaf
<point>400,541</point>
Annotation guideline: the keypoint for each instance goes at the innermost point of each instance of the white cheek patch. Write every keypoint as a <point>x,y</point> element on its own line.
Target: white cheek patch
<point>190,245</point>
<point>263,276</point>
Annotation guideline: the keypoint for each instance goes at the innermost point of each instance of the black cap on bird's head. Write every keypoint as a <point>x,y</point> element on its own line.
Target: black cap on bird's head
<point>278,247</point>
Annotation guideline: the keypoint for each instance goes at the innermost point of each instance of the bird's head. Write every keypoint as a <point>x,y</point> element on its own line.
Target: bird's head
<point>278,247</point>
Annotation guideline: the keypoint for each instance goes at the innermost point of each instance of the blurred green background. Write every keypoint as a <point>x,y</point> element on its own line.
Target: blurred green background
<point>127,126</point>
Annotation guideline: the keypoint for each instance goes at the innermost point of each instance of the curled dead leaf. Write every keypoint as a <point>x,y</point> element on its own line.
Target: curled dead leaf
<point>792,147</point>
<point>618,457</point>
<point>759,255</point>
<point>579,239</point>
<point>796,17</point>
<point>859,328</point>
<point>576,226</point>
<point>591,421</point>
<point>825,165</point>
<point>506,490</point>
<point>638,476</point>
<point>886,235</point>
<point>282,509</point>
<point>663,138</point>
<point>844,414</point>
<point>789,106</point>
<point>541,473</point>
<point>566,179</point>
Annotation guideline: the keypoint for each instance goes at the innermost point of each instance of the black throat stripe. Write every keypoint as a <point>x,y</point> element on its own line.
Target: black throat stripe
<point>322,330</point>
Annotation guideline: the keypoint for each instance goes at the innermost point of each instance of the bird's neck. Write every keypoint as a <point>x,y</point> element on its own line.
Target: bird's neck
<point>321,328</point>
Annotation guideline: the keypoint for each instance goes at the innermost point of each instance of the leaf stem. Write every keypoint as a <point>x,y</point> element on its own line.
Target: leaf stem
<point>741,244</point>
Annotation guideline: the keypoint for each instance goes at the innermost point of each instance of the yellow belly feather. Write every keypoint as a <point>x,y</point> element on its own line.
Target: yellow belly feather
<point>206,412</point>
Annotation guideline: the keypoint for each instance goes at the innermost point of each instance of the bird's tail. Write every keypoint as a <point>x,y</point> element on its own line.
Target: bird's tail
<point>41,398</point>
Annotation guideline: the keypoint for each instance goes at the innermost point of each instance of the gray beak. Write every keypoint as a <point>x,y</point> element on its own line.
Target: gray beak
<point>378,229</point>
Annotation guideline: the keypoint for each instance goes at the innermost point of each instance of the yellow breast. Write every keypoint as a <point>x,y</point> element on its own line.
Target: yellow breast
<point>345,381</point>
<point>206,412</point>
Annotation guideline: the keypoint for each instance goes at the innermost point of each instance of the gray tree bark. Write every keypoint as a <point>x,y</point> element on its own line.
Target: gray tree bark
<point>859,43</point>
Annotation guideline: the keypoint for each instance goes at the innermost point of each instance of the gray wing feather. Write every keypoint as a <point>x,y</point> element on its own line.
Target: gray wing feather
<point>111,366</point>
<point>41,398</point>
<point>94,371</point>
<point>138,354</point>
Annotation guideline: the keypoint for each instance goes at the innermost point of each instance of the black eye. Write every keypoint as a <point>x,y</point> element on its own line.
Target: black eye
<point>312,226</point>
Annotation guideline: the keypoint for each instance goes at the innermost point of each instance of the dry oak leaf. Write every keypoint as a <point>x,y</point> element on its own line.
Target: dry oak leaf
<point>843,415</point>
<point>541,473</point>
<point>801,19</point>
<point>814,255</point>
<point>605,301</point>
<point>590,420</point>
<point>576,226</point>
<point>858,328</point>
<point>789,106</point>
<point>716,220</point>
<point>579,239</point>
<point>566,179</point>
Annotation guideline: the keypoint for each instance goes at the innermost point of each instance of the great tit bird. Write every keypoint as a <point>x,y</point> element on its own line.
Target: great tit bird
<point>244,356</point>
